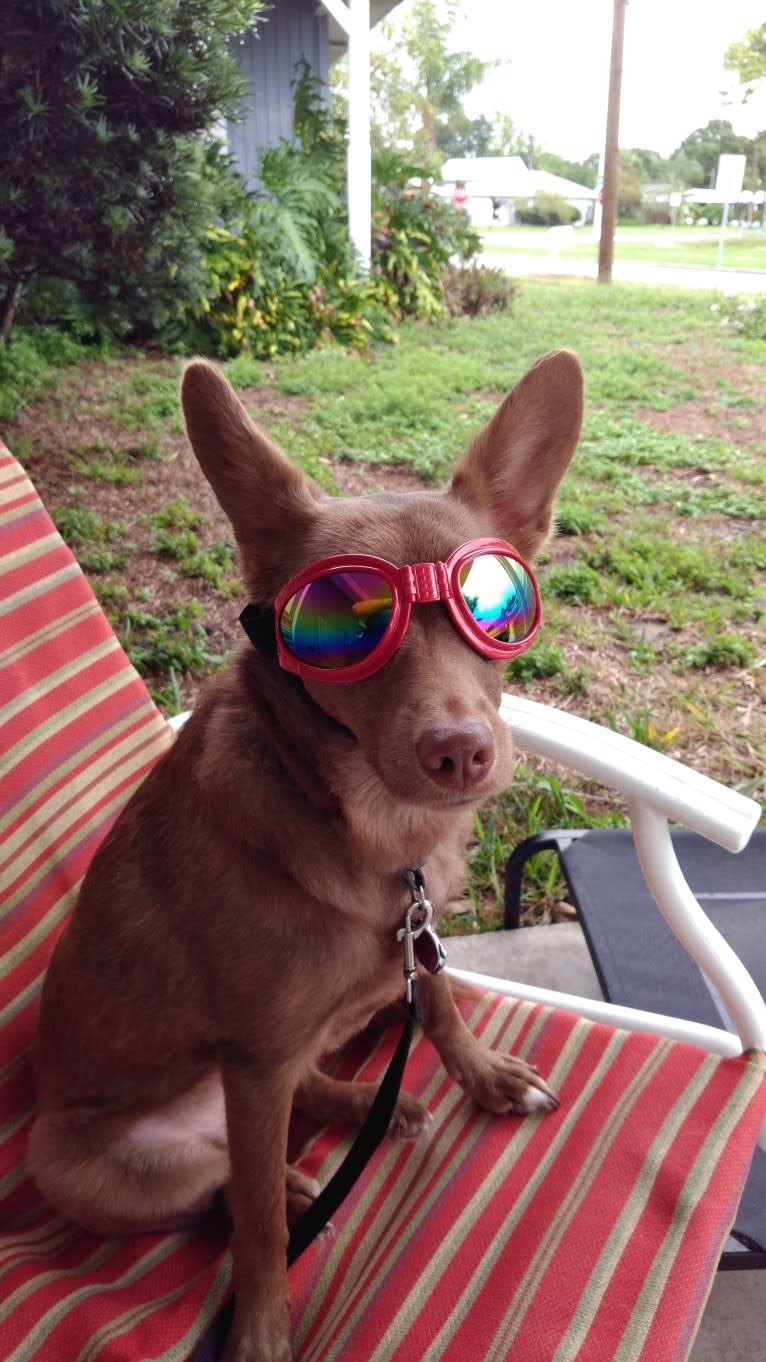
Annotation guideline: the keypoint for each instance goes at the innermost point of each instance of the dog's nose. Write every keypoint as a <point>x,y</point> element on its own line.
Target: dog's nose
<point>456,758</point>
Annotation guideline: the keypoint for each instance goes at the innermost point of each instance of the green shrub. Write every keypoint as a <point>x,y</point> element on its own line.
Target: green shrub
<point>548,210</point>
<point>103,106</point>
<point>744,316</point>
<point>280,277</point>
<point>27,361</point>
<point>574,582</point>
<point>415,237</point>
<point>722,650</point>
<point>256,304</point>
<point>476,290</point>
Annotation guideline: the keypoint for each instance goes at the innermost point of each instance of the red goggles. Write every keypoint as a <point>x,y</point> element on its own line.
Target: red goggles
<point>341,619</point>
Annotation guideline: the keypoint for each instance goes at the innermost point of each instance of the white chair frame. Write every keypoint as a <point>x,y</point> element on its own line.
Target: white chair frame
<point>657,790</point>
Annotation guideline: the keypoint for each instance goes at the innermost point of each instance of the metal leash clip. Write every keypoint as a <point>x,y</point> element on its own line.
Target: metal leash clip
<point>417,920</point>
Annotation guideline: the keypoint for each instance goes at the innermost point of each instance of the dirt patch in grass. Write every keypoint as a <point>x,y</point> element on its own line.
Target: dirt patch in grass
<point>710,418</point>
<point>79,454</point>
<point>87,444</point>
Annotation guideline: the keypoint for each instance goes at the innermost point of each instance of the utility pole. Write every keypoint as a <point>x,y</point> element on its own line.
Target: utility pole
<point>611,149</point>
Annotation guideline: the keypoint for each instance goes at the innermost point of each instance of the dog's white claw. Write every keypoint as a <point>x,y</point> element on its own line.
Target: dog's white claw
<point>535,1099</point>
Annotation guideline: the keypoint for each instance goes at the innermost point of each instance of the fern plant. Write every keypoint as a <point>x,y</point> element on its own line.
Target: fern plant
<point>291,219</point>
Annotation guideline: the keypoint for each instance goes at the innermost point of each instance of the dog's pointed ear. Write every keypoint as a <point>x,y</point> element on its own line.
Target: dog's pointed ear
<point>513,467</point>
<point>262,492</point>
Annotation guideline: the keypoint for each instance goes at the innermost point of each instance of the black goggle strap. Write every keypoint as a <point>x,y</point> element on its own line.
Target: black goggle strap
<point>258,624</point>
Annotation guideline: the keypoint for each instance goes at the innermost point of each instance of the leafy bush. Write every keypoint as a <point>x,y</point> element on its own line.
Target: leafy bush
<point>101,107</point>
<point>548,210</point>
<point>26,363</point>
<point>415,237</point>
<point>746,316</point>
<point>708,214</point>
<point>656,214</point>
<point>280,277</point>
<point>476,290</point>
<point>258,304</point>
<point>273,272</point>
<point>722,650</point>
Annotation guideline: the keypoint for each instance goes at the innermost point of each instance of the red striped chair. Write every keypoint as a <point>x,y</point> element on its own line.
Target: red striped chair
<point>590,1234</point>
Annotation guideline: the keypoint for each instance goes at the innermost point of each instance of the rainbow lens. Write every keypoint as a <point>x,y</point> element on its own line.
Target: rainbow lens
<point>338,619</point>
<point>500,596</point>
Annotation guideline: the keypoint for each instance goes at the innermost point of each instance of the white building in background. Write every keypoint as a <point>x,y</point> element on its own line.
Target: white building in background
<point>494,183</point>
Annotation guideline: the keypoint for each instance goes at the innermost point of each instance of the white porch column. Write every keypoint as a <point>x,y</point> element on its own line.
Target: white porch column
<point>359,149</point>
<point>354,18</point>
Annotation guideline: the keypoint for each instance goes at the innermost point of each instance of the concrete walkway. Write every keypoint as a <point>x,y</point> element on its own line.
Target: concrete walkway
<point>733,1328</point>
<point>727,281</point>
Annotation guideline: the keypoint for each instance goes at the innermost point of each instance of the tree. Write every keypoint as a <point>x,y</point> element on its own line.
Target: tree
<point>464,136</point>
<point>581,172</point>
<point>684,172</point>
<point>418,84</point>
<point>508,139</point>
<point>500,136</point>
<point>101,107</point>
<point>705,145</point>
<point>747,59</point>
<point>629,195</point>
<point>648,165</point>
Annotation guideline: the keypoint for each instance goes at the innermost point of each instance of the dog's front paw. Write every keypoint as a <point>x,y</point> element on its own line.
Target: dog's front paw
<point>504,1085</point>
<point>260,1337</point>
<point>410,1118</point>
<point>300,1191</point>
<point>258,1350</point>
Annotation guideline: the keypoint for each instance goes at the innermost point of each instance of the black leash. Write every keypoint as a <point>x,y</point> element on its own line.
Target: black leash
<point>369,1136</point>
<point>419,942</point>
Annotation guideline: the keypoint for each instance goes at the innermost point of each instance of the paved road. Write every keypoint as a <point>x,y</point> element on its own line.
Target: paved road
<point>635,271</point>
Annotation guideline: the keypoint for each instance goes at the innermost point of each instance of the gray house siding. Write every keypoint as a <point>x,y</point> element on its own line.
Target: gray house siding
<point>292,29</point>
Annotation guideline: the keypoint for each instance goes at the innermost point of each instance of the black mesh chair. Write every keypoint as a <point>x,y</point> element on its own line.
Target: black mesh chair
<point>638,959</point>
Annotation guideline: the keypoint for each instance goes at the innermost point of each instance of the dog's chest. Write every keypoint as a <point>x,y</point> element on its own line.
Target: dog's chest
<point>376,968</point>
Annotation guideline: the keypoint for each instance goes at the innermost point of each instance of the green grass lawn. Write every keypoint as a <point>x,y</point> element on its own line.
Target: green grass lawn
<point>743,248</point>
<point>654,588</point>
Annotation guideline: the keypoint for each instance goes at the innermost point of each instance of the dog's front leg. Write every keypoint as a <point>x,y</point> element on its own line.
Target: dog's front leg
<point>498,1082</point>
<point>257,1117</point>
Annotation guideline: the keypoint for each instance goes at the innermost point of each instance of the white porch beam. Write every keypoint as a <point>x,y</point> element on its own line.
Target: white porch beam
<point>339,11</point>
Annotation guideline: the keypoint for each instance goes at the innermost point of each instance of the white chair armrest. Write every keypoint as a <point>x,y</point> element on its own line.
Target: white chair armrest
<point>658,788</point>
<point>177,721</point>
<point>682,795</point>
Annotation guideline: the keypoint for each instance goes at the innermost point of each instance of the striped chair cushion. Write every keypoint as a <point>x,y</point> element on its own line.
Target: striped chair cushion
<point>580,1235</point>
<point>78,732</point>
<point>592,1234</point>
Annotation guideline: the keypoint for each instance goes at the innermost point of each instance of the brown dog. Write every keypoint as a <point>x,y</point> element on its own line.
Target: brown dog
<point>240,921</point>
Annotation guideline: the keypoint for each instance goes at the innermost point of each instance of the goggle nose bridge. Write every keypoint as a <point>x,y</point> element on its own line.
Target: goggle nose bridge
<point>424,582</point>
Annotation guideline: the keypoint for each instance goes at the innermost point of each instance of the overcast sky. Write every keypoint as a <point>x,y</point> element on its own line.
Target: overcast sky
<point>556,85</point>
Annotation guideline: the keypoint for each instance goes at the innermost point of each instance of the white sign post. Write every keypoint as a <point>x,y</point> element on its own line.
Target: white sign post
<point>728,182</point>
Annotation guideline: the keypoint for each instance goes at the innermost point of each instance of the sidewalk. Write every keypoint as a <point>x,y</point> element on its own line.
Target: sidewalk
<point>722,280</point>
<point>556,957</point>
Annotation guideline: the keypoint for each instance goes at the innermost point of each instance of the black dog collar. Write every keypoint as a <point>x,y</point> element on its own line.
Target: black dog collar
<point>258,624</point>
